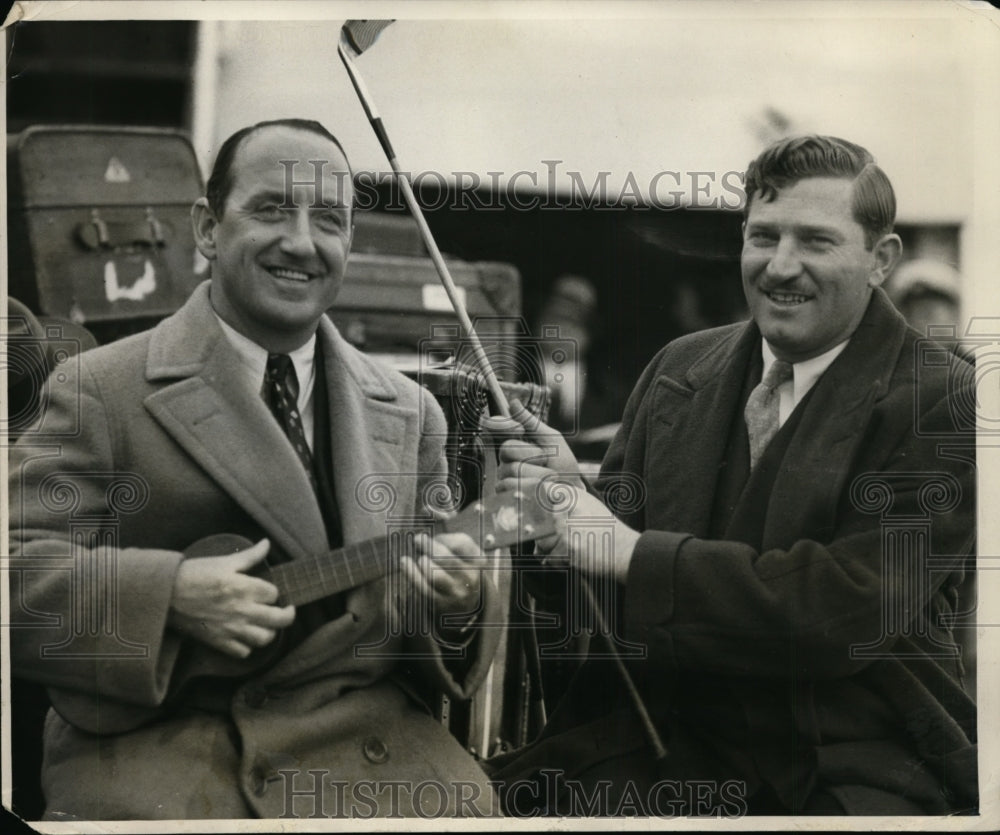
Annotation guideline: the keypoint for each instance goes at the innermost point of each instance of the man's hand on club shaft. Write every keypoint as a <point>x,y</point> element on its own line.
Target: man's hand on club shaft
<point>551,449</point>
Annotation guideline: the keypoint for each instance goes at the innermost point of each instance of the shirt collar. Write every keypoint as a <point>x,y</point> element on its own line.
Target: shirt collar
<point>805,373</point>
<point>254,357</point>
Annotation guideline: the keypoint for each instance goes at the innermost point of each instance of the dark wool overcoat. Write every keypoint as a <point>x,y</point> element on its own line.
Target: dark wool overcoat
<point>796,629</point>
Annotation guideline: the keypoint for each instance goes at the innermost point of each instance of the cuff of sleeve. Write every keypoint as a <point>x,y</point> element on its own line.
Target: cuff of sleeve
<point>485,638</point>
<point>142,673</point>
<point>460,677</point>
<point>649,585</point>
<point>458,638</point>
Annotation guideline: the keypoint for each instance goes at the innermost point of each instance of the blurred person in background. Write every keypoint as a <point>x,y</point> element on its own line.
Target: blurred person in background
<point>926,292</point>
<point>583,390</point>
<point>570,308</point>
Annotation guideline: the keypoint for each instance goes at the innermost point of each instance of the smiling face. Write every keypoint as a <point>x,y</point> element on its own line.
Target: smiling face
<point>807,274</point>
<point>279,250</point>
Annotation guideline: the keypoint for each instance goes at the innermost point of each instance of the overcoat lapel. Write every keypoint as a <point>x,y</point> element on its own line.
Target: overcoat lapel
<point>821,453</point>
<point>228,430</point>
<point>692,422</point>
<point>368,432</point>
<point>231,434</point>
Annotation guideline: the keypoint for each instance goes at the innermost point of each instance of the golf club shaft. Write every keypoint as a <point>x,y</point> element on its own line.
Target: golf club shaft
<point>489,376</point>
<point>652,735</point>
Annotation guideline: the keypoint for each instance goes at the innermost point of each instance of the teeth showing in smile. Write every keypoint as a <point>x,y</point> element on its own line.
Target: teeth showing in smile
<point>787,298</point>
<point>291,275</point>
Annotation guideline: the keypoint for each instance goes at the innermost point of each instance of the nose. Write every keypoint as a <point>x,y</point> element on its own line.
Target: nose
<point>785,262</point>
<point>297,236</point>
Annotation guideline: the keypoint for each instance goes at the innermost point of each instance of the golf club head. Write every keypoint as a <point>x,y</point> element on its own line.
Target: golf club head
<point>359,35</point>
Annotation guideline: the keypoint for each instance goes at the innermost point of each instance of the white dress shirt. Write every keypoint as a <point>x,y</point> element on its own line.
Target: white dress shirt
<point>254,362</point>
<point>804,377</point>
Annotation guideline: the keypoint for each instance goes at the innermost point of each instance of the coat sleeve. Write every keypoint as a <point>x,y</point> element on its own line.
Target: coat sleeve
<point>723,607</point>
<point>92,616</point>
<point>457,671</point>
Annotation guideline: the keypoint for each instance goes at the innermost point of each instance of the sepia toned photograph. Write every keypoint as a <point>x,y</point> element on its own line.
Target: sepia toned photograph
<point>468,417</point>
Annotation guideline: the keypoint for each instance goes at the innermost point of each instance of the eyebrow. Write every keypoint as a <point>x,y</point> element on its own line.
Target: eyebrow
<point>328,204</point>
<point>821,230</point>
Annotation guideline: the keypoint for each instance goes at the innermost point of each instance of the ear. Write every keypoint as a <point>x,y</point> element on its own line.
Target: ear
<point>204,224</point>
<point>886,253</point>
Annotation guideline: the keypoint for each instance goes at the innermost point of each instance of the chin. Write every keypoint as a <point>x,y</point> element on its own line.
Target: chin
<point>791,328</point>
<point>782,345</point>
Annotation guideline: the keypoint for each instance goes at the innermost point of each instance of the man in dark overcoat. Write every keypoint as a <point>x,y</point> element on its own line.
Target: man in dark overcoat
<point>184,687</point>
<point>792,589</point>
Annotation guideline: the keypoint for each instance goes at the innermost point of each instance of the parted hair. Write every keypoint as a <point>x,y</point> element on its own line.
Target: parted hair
<point>789,160</point>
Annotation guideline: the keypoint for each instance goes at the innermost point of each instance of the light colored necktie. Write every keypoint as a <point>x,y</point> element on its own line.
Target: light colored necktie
<point>761,413</point>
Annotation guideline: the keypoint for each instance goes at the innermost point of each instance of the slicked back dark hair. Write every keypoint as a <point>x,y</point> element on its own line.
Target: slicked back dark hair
<point>785,162</point>
<point>220,182</point>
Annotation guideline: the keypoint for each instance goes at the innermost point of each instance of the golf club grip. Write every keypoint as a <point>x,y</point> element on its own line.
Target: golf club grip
<point>383,137</point>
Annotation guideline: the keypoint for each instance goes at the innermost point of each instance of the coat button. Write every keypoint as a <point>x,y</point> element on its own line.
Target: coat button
<point>376,750</point>
<point>255,697</point>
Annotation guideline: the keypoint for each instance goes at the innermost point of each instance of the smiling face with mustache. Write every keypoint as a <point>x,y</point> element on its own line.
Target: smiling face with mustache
<point>280,247</point>
<point>807,272</point>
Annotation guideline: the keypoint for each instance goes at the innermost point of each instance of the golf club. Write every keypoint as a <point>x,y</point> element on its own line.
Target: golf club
<point>355,37</point>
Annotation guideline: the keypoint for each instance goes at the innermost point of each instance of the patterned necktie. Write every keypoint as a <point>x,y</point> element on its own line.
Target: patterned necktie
<point>761,412</point>
<point>281,388</point>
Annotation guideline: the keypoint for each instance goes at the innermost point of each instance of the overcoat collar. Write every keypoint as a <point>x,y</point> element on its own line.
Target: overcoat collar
<point>820,455</point>
<point>697,415</point>
<point>230,432</point>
